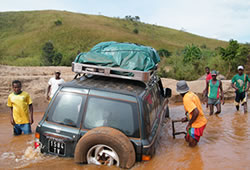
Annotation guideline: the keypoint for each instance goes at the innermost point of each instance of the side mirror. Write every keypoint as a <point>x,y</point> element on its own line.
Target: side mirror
<point>167,92</point>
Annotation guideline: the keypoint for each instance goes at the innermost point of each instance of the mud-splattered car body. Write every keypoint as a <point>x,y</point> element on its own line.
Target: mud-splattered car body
<point>134,108</point>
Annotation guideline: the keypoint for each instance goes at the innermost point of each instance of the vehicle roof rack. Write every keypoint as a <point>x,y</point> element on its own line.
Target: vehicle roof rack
<point>117,72</point>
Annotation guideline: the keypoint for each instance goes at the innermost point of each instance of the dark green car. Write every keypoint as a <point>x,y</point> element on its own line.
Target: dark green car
<point>104,120</point>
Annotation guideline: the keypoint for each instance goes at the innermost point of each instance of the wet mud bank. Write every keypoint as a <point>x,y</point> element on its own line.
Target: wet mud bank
<point>35,82</point>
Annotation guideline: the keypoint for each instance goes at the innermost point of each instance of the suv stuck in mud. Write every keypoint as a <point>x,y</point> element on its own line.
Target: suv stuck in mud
<point>105,118</point>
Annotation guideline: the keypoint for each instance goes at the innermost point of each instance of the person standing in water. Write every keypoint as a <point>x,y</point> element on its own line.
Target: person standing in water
<point>241,83</point>
<point>209,75</point>
<point>194,114</point>
<point>208,78</point>
<point>20,103</point>
<point>213,90</point>
<point>54,83</point>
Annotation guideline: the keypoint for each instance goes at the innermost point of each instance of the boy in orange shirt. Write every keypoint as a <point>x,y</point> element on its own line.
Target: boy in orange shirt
<point>194,114</point>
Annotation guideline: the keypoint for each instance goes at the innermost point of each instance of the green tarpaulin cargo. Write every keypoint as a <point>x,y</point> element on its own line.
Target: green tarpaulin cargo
<point>124,55</point>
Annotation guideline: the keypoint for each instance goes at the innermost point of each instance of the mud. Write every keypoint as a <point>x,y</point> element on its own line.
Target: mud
<point>224,145</point>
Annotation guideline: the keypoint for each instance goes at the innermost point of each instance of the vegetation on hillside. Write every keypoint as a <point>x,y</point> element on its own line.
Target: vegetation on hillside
<point>36,38</point>
<point>190,63</point>
<point>24,34</point>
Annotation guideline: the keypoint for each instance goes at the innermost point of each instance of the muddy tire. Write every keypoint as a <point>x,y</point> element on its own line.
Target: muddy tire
<point>105,145</point>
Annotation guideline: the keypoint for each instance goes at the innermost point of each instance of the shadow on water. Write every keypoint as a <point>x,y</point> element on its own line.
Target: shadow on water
<point>225,145</point>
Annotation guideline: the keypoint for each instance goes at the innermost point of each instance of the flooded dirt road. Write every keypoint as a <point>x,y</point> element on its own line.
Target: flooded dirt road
<point>224,145</point>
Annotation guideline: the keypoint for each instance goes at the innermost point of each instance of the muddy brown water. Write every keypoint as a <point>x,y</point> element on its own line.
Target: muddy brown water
<point>224,145</point>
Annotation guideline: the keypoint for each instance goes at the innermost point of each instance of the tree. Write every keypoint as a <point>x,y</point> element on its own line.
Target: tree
<point>48,53</point>
<point>234,55</point>
<point>163,52</point>
<point>137,18</point>
<point>57,59</point>
<point>192,53</point>
<point>131,18</point>
<point>58,22</point>
<point>136,31</point>
<point>50,56</point>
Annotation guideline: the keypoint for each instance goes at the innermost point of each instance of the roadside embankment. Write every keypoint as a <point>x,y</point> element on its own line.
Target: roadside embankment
<point>35,82</point>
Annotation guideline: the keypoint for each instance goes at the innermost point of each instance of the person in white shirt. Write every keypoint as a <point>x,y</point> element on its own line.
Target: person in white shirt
<point>54,83</point>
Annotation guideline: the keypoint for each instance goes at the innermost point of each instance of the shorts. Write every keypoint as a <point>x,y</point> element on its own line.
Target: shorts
<point>213,101</point>
<point>19,128</point>
<point>196,133</point>
<point>240,98</point>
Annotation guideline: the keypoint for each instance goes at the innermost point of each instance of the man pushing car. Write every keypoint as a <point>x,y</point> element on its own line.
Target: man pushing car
<point>194,114</point>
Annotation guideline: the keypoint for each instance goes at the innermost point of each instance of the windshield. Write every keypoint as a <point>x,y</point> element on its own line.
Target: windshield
<point>66,109</point>
<point>122,115</point>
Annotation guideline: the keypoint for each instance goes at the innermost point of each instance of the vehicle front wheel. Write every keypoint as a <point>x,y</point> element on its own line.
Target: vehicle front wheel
<point>105,146</point>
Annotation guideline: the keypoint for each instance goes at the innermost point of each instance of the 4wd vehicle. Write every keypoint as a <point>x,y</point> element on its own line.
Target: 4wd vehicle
<point>105,118</point>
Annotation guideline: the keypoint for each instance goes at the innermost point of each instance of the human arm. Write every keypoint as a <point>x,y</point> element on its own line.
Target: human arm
<point>12,121</point>
<point>31,113</point>
<point>185,119</point>
<point>205,92</point>
<point>222,93</point>
<point>206,89</point>
<point>195,114</point>
<point>233,83</point>
<point>9,104</point>
<point>248,84</point>
<point>48,91</point>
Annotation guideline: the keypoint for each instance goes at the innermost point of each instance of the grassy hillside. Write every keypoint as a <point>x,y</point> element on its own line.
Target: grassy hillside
<point>23,34</point>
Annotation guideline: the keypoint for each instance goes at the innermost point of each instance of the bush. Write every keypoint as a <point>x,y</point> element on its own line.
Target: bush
<point>234,55</point>
<point>163,52</point>
<point>50,56</point>
<point>136,31</point>
<point>193,68</point>
<point>191,53</point>
<point>58,22</point>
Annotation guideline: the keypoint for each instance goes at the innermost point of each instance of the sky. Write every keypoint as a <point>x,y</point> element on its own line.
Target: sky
<point>218,19</point>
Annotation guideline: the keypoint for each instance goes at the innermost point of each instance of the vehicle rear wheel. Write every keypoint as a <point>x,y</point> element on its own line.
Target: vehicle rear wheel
<point>105,146</point>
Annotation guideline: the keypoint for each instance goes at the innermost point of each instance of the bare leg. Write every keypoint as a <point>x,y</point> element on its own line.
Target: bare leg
<point>192,142</point>
<point>237,107</point>
<point>187,138</point>
<point>211,107</point>
<point>218,106</point>
<point>245,107</point>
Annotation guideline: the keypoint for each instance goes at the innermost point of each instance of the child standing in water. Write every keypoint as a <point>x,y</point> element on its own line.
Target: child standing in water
<point>21,116</point>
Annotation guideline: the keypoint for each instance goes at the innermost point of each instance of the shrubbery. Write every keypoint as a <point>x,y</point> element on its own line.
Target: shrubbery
<point>58,22</point>
<point>190,63</point>
<point>50,57</point>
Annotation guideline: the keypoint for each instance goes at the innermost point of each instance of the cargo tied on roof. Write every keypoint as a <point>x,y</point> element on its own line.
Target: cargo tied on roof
<point>123,55</point>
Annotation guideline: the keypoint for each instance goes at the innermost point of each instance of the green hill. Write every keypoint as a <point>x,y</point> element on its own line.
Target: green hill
<point>23,34</point>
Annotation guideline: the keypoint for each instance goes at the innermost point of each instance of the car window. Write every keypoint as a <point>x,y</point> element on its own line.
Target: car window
<point>118,114</point>
<point>66,109</point>
<point>150,108</point>
<point>112,95</point>
<point>156,98</point>
<point>152,105</point>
